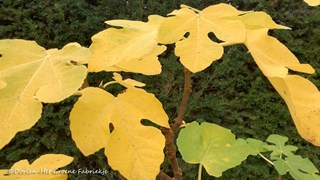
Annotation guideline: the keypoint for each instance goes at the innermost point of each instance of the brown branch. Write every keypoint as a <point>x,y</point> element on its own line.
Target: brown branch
<point>171,152</point>
<point>184,101</point>
<point>169,133</point>
<point>163,176</point>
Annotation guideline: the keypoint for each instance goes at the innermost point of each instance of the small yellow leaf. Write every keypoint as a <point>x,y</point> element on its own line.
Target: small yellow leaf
<point>30,75</point>
<point>133,48</point>
<point>303,100</point>
<point>139,146</point>
<point>312,2</point>
<point>44,168</point>
<point>258,20</point>
<point>273,58</point>
<point>128,83</point>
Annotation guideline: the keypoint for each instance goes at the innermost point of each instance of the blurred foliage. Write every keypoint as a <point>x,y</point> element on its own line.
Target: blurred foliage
<point>232,92</point>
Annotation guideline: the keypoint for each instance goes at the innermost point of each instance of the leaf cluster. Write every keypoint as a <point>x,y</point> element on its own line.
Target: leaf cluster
<point>228,92</point>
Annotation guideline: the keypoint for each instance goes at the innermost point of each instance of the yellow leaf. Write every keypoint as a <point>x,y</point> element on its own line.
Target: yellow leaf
<point>258,20</point>
<point>30,75</point>
<point>74,52</point>
<point>132,148</point>
<point>303,100</point>
<point>273,58</point>
<point>198,51</point>
<point>148,65</point>
<point>220,18</point>
<point>128,83</point>
<point>89,124</point>
<point>312,2</point>
<point>132,48</point>
<point>45,167</point>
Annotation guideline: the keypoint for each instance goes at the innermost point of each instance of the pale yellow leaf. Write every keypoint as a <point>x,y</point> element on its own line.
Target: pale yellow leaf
<point>148,65</point>
<point>73,52</point>
<point>273,58</point>
<point>312,2</point>
<point>89,123</point>
<point>119,49</point>
<point>198,51</point>
<point>220,17</point>
<point>128,83</point>
<point>133,149</point>
<point>44,168</point>
<point>258,20</point>
<point>30,75</point>
<point>303,100</point>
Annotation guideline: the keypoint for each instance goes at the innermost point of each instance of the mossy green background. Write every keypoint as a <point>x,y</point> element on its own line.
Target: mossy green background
<point>232,92</point>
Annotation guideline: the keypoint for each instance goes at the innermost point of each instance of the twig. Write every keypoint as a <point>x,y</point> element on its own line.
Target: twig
<point>184,101</point>
<point>171,152</point>
<point>169,133</point>
<point>163,176</point>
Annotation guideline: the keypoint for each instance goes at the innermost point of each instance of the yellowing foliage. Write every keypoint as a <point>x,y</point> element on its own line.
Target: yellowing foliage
<point>312,2</point>
<point>198,51</point>
<point>189,29</point>
<point>265,21</point>
<point>44,168</point>
<point>132,148</point>
<point>133,48</point>
<point>303,100</point>
<point>29,75</point>
<point>272,57</point>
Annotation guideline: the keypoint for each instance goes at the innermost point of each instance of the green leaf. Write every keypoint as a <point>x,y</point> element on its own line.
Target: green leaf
<point>299,168</point>
<point>256,145</point>
<point>279,148</point>
<point>212,146</point>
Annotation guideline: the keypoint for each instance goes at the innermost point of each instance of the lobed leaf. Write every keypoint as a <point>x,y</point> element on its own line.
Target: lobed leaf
<point>198,51</point>
<point>29,75</point>
<point>132,148</point>
<point>299,168</point>
<point>212,146</point>
<point>132,48</point>
<point>279,148</point>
